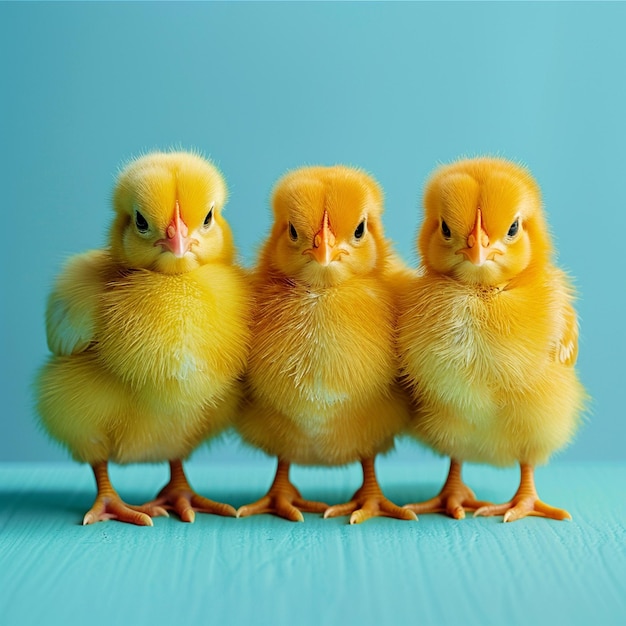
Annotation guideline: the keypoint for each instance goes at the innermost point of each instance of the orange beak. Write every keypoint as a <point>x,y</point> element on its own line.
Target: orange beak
<point>176,236</point>
<point>324,241</point>
<point>478,250</point>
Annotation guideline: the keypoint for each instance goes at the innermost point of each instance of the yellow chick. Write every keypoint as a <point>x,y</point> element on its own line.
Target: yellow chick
<point>488,335</point>
<point>322,362</point>
<point>149,336</point>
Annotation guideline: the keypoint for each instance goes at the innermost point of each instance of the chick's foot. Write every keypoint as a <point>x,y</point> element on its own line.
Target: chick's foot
<point>108,505</point>
<point>178,496</point>
<point>453,503</point>
<point>524,503</point>
<point>454,499</point>
<point>113,507</point>
<point>365,505</point>
<point>283,500</point>
<point>369,501</point>
<point>518,508</point>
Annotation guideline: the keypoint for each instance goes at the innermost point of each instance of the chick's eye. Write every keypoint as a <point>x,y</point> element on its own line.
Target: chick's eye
<point>445,229</point>
<point>360,230</point>
<point>293,233</point>
<point>208,219</point>
<point>514,229</point>
<point>141,223</point>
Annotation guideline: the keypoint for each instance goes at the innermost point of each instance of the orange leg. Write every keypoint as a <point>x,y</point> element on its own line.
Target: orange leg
<point>454,498</point>
<point>282,499</point>
<point>178,496</point>
<point>369,501</point>
<point>525,501</point>
<point>108,505</point>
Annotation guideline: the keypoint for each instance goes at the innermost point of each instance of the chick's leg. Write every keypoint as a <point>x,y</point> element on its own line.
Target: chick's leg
<point>282,499</point>
<point>178,496</point>
<point>454,498</point>
<point>108,505</point>
<point>369,501</point>
<point>525,502</point>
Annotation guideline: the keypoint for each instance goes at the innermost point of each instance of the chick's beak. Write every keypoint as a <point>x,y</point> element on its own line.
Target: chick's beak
<point>176,238</point>
<point>324,249</point>
<point>478,249</point>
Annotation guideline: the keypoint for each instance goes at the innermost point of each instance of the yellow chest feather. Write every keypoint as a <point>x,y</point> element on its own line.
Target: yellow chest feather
<point>156,329</point>
<point>468,346</point>
<point>313,351</point>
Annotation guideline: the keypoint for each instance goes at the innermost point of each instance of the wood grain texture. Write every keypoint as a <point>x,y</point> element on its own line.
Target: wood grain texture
<point>263,569</point>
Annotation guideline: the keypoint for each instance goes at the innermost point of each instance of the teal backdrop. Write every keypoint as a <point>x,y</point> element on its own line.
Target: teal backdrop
<point>394,88</point>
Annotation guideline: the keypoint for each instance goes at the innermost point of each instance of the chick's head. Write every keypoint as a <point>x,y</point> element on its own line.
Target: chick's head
<point>168,208</point>
<point>483,222</point>
<point>327,225</point>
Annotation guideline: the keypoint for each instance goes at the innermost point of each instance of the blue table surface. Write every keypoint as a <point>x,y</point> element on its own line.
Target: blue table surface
<point>266,570</point>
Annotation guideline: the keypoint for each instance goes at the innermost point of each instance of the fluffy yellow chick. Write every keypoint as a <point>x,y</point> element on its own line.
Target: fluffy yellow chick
<point>488,335</point>
<point>150,335</point>
<point>322,361</point>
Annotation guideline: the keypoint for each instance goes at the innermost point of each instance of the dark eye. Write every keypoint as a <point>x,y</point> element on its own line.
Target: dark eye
<point>209,218</point>
<point>445,230</point>
<point>360,230</point>
<point>141,223</point>
<point>293,233</point>
<point>514,228</point>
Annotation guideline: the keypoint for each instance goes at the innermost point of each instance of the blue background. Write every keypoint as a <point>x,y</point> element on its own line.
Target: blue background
<point>261,88</point>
